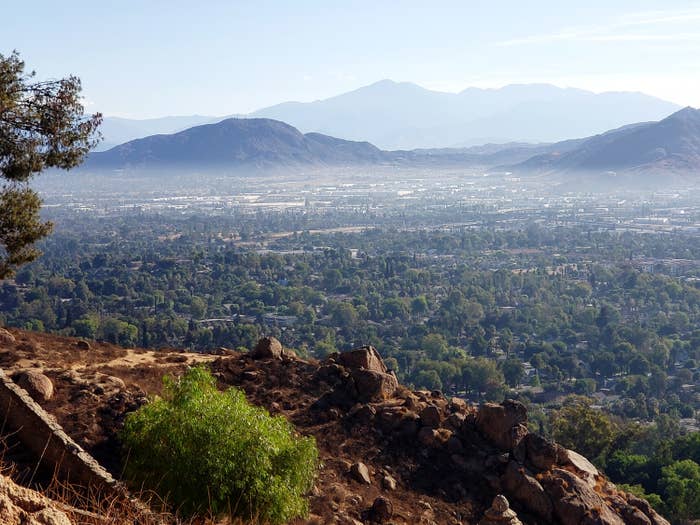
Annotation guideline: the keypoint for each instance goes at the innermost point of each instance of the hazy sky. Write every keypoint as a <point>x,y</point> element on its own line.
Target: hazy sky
<point>145,58</point>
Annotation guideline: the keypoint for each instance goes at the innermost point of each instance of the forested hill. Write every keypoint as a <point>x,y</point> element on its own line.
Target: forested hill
<point>236,143</point>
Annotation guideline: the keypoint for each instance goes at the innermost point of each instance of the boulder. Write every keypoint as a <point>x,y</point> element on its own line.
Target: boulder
<point>373,386</point>
<point>430,416</point>
<point>434,438</point>
<point>521,486</point>
<point>504,424</point>
<point>330,373</point>
<point>643,505</point>
<point>455,422</point>
<point>362,414</point>
<point>360,473</point>
<point>457,404</point>
<point>267,348</point>
<point>6,338</point>
<point>575,501</point>
<point>584,468</point>
<point>392,417</point>
<point>542,453</point>
<point>365,357</point>
<point>630,514</point>
<point>37,385</point>
<point>500,513</point>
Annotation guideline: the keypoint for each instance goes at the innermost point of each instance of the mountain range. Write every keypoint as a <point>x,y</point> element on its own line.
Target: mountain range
<point>669,145</point>
<point>402,115</point>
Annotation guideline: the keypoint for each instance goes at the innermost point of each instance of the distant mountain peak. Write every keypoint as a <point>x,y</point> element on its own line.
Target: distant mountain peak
<point>687,113</point>
<point>403,115</point>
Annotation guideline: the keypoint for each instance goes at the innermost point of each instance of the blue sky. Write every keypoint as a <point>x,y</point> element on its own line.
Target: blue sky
<point>150,58</point>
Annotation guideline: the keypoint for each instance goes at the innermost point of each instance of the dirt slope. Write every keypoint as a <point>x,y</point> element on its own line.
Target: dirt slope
<point>424,459</point>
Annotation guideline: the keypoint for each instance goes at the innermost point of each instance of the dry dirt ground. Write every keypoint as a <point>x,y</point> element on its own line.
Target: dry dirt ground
<point>95,387</point>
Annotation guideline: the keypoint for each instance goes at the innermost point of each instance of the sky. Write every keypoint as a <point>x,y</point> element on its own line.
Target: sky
<point>151,58</point>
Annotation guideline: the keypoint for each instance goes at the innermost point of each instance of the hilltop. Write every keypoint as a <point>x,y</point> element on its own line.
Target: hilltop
<point>235,143</point>
<point>389,454</point>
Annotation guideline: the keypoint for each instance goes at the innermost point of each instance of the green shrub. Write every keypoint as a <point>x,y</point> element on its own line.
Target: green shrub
<point>206,450</point>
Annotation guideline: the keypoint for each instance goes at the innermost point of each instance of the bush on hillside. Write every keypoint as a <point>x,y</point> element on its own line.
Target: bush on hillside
<point>206,450</point>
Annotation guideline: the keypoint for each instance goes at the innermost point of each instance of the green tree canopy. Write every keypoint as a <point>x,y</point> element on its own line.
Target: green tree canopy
<point>42,125</point>
<point>583,428</point>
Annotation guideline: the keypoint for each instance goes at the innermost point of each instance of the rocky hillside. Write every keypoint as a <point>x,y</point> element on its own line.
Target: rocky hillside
<point>390,455</point>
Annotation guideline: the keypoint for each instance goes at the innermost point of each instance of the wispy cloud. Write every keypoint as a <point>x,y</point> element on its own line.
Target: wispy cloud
<point>623,29</point>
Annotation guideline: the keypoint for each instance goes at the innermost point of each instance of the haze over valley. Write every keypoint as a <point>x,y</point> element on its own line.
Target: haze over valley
<point>350,263</point>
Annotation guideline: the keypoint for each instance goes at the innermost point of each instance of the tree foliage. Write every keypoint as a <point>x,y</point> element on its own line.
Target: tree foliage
<point>584,429</point>
<point>680,482</point>
<point>42,125</point>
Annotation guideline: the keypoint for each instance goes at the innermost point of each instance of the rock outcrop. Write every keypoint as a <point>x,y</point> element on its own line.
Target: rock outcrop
<point>359,375</point>
<point>389,455</point>
<point>22,506</point>
<point>505,424</point>
<point>489,446</point>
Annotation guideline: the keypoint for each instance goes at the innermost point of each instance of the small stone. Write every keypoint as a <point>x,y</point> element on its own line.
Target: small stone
<point>382,509</point>
<point>354,500</point>
<point>500,513</point>
<point>388,482</point>
<point>360,472</point>
<point>250,375</point>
